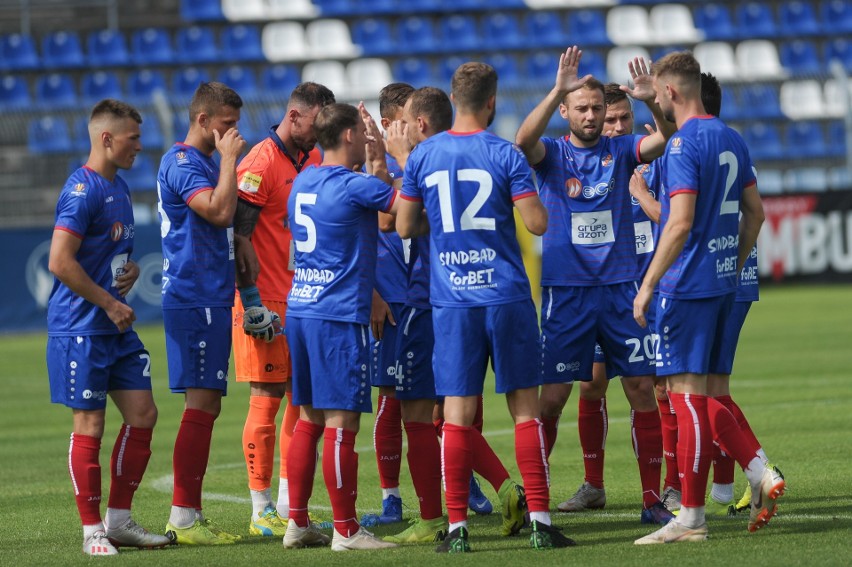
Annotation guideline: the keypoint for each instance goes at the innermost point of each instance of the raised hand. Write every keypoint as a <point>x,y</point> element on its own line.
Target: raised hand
<point>567,74</point>
<point>643,81</point>
<point>397,140</point>
<point>375,142</point>
<point>230,144</point>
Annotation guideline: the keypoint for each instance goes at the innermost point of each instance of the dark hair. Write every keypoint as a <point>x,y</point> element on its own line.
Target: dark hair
<point>680,64</point>
<point>331,121</point>
<point>114,108</point>
<point>435,105</point>
<point>711,94</point>
<point>613,94</point>
<point>311,94</point>
<point>392,98</point>
<point>473,84</point>
<point>210,97</point>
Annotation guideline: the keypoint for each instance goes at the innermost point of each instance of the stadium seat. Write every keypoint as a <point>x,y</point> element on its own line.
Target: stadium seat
<point>14,92</point>
<point>284,41</point>
<point>330,39</point>
<point>186,80</point>
<point>48,135</point>
<point>152,46</point>
<point>278,81</point>
<point>801,100</point>
<point>627,25</point>
<point>800,57</point>
<point>501,30</point>
<point>586,28</point>
<point>673,23</point>
<point>755,20</point>
<point>446,67</point>
<point>56,90</point>
<point>100,85</point>
<point>541,67</point>
<point>107,48</point>
<point>197,45</point>
<point>374,37</point>
<point>142,85</point>
<point>458,33</point>
<point>383,7</point>
<point>805,139</point>
<point>62,50</point>
<point>507,70</point>
<point>836,101</point>
<point>18,53</point>
<point>416,35</point>
<point>806,180</point>
<point>714,20</point>
<point>617,59</point>
<point>201,11</point>
<point>142,175</point>
<point>796,18</point>
<point>763,141</point>
<point>244,10</point>
<point>334,8</point>
<point>414,71</point>
<point>239,78</point>
<point>80,135</point>
<point>332,74</point>
<point>836,138</point>
<point>731,107</point>
<point>770,182</point>
<point>837,17</point>
<point>592,63</point>
<point>152,133</point>
<point>291,10</point>
<point>757,59</point>
<point>241,42</point>
<point>839,178</point>
<point>761,101</point>
<point>840,49</point>
<point>544,29</point>
<point>366,77</point>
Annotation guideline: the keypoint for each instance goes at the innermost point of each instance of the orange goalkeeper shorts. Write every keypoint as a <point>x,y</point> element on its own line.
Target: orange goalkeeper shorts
<point>255,360</point>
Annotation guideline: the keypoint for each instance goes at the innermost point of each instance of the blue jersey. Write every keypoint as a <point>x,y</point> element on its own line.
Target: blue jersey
<point>99,213</point>
<point>468,183</point>
<point>392,259</point>
<point>589,238</point>
<point>647,231</point>
<point>334,223</point>
<point>198,258</point>
<point>418,274</point>
<point>710,160</point>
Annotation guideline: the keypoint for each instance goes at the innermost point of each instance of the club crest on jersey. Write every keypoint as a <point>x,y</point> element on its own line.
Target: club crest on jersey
<point>79,189</point>
<point>116,231</point>
<point>574,187</point>
<point>607,160</point>
<point>182,158</point>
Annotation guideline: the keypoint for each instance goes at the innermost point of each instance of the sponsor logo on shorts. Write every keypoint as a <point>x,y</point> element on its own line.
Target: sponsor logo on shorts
<point>94,395</point>
<point>567,367</point>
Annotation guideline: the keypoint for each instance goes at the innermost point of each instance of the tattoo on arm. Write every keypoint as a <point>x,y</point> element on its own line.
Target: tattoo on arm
<point>245,219</point>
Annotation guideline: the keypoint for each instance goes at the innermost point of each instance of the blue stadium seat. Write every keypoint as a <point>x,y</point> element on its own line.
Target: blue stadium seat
<point>392,7</point>
<point>142,175</point>
<point>239,78</point>
<point>806,179</point>
<point>62,50</point>
<point>186,80</point>
<point>446,67</point>
<point>13,92</point>
<point>242,43</point>
<point>278,81</point>
<point>152,46</point>
<point>18,53</point>
<point>805,139</point>
<point>374,36</point>
<point>541,67</point>
<point>715,21</point>
<point>796,18</point>
<point>416,34</point>
<point>836,140</point>
<point>152,133</point>
<point>48,135</point>
<point>56,90</point>
<point>761,101</point>
<point>334,8</point>
<point>201,10</point>
<point>731,108</point>
<point>800,57</point>
<point>839,48</point>
<point>508,75</point>
<point>414,71</point>
<point>100,85</point>
<point>593,62</point>
<point>80,136</point>
<point>500,30</point>
<point>544,29</point>
<point>837,16</point>
<point>197,44</point>
<point>755,20</point>
<point>107,48</point>
<point>587,28</point>
<point>763,141</point>
<point>142,84</point>
<point>459,33</point>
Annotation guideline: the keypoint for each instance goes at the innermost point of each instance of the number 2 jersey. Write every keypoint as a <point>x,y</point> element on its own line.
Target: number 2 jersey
<point>98,212</point>
<point>710,160</point>
<point>468,183</point>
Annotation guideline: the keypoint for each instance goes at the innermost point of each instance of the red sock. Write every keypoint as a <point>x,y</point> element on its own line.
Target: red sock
<point>727,433</point>
<point>340,472</point>
<point>259,440</point>
<point>387,440</point>
<point>551,426</point>
<point>668,426</point>
<point>531,454</point>
<point>485,462</point>
<point>85,469</point>
<point>288,425</point>
<point>694,446</point>
<point>749,435</point>
<point>592,423</point>
<point>301,466</point>
<point>648,446</point>
<point>191,453</point>
<point>456,468</point>
<point>478,417</point>
<point>424,462</point>
<point>130,456</point>
<point>439,427</point>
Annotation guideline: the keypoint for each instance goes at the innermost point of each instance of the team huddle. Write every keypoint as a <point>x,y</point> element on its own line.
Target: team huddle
<point>334,257</point>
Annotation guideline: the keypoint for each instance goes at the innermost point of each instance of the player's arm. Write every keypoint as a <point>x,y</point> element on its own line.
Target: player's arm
<point>640,191</point>
<point>751,220</point>
<point>529,134</point>
<point>218,206</point>
<point>248,266</point>
<point>63,264</point>
<point>533,213</point>
<point>129,275</point>
<point>410,218</point>
<point>652,146</point>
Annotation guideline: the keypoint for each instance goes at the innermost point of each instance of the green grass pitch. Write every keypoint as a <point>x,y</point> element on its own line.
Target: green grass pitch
<point>792,378</point>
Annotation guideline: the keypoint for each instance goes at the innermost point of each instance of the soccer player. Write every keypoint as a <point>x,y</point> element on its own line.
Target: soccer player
<point>468,180</point>
<point>590,271</point>
<point>92,350</point>
<point>332,214</point>
<point>703,246</point>
<point>197,199</point>
<point>261,357</point>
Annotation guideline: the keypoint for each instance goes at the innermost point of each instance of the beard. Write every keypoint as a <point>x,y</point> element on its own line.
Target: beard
<point>493,114</point>
<point>581,134</point>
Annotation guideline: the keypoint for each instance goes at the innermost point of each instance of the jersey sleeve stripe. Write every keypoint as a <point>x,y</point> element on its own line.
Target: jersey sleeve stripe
<point>69,231</point>
<point>751,184</point>
<point>410,198</point>
<point>392,199</point>
<point>683,190</point>
<point>639,150</point>
<point>520,196</point>
<point>202,190</point>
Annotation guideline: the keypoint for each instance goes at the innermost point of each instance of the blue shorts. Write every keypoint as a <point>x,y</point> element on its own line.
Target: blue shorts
<point>198,346</point>
<point>415,342</point>
<point>574,318</point>
<point>331,364</point>
<point>84,369</point>
<point>650,317</point>
<point>691,332</point>
<point>465,338</point>
<point>383,352</point>
<point>723,363</point>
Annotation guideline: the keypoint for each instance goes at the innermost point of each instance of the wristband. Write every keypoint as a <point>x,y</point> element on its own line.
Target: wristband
<point>250,296</point>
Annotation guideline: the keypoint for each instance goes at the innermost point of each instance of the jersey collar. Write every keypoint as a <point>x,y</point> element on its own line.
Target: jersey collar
<point>275,138</point>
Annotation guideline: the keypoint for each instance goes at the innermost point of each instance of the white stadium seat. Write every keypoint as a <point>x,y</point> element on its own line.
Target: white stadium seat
<point>242,10</point>
<point>801,100</point>
<point>284,41</point>
<point>366,77</point>
<point>717,57</point>
<point>330,39</point>
<point>672,23</point>
<point>757,59</point>
<point>617,59</point>
<point>332,74</point>
<point>628,25</point>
